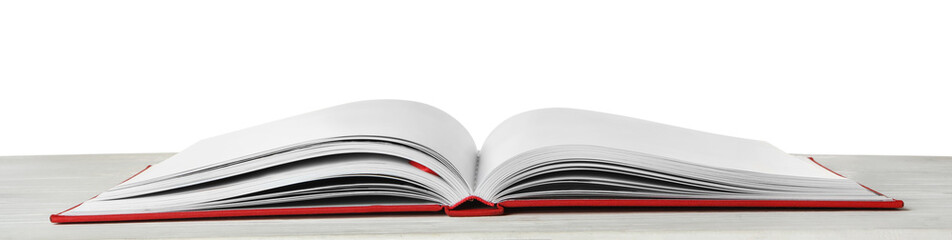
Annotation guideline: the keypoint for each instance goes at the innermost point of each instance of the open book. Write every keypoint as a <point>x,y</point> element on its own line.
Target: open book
<point>402,156</point>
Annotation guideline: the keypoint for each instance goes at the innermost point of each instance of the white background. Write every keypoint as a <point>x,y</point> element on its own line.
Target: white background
<point>838,77</point>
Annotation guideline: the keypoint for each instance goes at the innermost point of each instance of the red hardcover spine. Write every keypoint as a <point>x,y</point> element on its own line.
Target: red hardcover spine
<point>482,208</point>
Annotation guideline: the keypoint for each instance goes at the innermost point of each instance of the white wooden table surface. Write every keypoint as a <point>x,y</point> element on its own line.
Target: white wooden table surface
<point>32,187</point>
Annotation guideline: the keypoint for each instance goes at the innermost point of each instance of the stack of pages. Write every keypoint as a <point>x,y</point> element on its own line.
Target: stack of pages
<point>402,156</point>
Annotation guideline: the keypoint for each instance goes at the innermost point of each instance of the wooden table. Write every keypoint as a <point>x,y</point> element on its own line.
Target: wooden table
<point>33,187</point>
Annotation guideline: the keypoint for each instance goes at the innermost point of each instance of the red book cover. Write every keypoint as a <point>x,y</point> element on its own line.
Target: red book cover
<point>475,206</point>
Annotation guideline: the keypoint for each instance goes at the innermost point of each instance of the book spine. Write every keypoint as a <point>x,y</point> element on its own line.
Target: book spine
<point>473,206</point>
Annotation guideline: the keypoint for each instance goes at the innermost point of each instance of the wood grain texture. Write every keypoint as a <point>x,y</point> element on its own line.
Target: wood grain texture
<point>32,187</point>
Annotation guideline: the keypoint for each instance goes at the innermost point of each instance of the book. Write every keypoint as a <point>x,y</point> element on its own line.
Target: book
<point>402,156</point>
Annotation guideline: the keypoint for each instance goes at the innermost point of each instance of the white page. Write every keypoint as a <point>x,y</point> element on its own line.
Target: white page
<point>359,165</point>
<point>559,126</point>
<point>407,120</point>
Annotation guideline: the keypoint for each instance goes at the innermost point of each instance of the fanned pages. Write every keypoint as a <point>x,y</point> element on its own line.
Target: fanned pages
<point>394,155</point>
<point>291,161</point>
<point>568,153</point>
